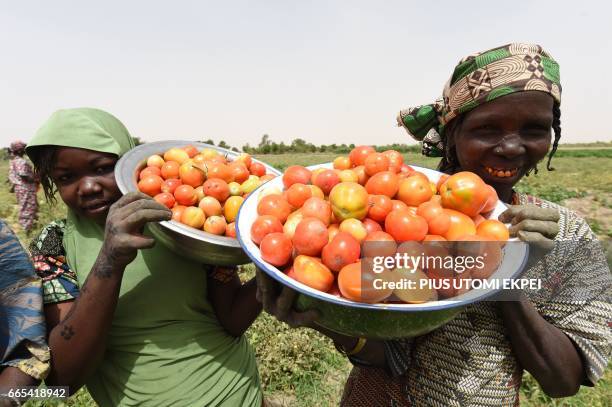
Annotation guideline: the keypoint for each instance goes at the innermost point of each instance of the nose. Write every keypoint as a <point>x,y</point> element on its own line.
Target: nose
<point>88,186</point>
<point>510,146</point>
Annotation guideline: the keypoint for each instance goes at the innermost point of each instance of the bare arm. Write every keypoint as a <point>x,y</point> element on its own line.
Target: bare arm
<point>234,303</point>
<point>13,378</point>
<point>78,329</point>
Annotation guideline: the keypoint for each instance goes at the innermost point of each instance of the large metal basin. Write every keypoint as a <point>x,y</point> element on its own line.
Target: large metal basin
<point>381,321</point>
<point>182,239</point>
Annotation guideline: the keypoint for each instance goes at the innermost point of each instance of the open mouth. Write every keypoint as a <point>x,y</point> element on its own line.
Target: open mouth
<point>501,172</point>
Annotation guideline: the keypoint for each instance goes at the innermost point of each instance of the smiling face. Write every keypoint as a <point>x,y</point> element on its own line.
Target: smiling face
<point>503,139</point>
<point>85,180</point>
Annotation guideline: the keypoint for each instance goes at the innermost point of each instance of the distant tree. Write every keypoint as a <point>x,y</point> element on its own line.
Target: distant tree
<point>265,140</point>
<point>223,144</point>
<point>247,148</point>
<point>235,149</point>
<point>209,141</point>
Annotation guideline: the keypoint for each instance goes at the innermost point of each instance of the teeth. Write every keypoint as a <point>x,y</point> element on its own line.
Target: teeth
<point>501,172</point>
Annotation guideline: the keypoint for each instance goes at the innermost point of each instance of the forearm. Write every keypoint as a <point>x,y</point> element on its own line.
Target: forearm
<point>78,342</point>
<point>372,353</point>
<point>542,349</point>
<point>245,308</point>
<point>11,378</point>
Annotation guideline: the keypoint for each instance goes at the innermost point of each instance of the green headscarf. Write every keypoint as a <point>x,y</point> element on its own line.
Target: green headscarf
<point>477,79</point>
<point>165,345</point>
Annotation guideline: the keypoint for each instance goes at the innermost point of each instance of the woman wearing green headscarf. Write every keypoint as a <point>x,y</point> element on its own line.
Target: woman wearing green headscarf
<point>131,320</point>
<point>494,119</point>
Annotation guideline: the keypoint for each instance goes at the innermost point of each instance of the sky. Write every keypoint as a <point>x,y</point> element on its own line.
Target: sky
<point>325,71</point>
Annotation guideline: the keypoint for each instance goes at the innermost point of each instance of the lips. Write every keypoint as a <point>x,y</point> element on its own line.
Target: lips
<point>94,206</point>
<point>501,172</point>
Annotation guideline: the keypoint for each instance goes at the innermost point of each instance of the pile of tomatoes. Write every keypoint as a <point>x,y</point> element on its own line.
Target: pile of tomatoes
<point>317,228</point>
<point>203,188</point>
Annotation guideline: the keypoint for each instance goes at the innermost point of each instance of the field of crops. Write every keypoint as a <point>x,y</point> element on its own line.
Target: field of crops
<point>301,368</point>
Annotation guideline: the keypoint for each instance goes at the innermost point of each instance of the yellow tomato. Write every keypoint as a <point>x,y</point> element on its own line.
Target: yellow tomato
<point>231,207</point>
<point>349,200</point>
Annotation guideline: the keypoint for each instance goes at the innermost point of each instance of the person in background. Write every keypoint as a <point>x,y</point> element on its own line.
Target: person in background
<point>495,119</point>
<point>24,184</point>
<point>24,354</point>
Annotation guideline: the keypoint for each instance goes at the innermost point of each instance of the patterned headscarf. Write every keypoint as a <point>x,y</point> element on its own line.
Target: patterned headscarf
<point>17,147</point>
<point>478,79</point>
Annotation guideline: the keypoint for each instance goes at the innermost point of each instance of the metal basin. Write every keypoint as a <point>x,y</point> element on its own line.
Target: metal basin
<point>182,239</point>
<point>381,321</point>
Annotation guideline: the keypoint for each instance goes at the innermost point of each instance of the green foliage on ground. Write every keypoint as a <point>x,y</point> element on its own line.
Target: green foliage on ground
<point>301,368</point>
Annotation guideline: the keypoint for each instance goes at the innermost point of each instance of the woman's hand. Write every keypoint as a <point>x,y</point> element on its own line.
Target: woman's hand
<point>278,301</point>
<point>530,223</point>
<point>124,226</point>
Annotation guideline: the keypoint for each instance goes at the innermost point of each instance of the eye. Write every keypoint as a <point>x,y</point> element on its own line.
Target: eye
<point>105,169</point>
<point>63,178</point>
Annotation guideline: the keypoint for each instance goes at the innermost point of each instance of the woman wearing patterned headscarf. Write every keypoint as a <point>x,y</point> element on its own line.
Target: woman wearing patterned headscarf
<point>24,184</point>
<point>494,119</point>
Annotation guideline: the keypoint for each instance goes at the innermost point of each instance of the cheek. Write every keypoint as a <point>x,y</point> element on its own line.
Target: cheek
<point>470,154</point>
<point>69,195</point>
<point>109,185</point>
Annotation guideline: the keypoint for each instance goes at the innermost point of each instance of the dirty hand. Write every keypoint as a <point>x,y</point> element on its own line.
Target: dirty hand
<point>530,223</point>
<point>279,302</point>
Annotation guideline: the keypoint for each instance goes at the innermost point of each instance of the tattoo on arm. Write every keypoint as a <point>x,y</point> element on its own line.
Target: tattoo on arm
<point>102,269</point>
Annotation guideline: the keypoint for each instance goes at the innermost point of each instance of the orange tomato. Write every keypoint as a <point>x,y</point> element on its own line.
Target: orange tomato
<point>218,170</point>
<point>231,207</point>
<point>239,171</point>
<point>460,224</point>
<point>185,195</point>
<point>267,177</point>
<point>383,183</point>
<point>358,285</point>
<point>191,175</point>
<point>414,190</point>
<point>375,163</point>
<point>349,200</point>
<point>379,207</point>
<point>263,226</point>
<point>438,221</point>
<point>326,180</point>
<point>245,159</point>
<point>211,206</point>
<point>297,194</point>
<point>362,177</point>
<point>193,216</point>
<point>292,222</point>
<point>395,160</point>
<point>314,173</point>
<point>274,205</point>
<point>342,250</point>
<point>191,151</point>
<point>217,188</point>
<point>493,229</point>
<point>434,238</point>
<point>230,231</point>
<point>441,181</point>
<point>491,200</point>
<point>403,225</point>
<point>276,248</point>
<point>296,173</point>
<point>215,225</point>
<point>371,225</point>
<point>478,219</point>
<point>465,192</point>
<point>166,199</point>
<point>150,185</point>
<point>317,192</point>
<point>311,272</point>
<point>170,170</point>
<point>317,208</point>
<point>199,192</point>
<point>397,204</point>
<point>348,176</point>
<point>342,163</point>
<point>359,154</point>
<point>149,171</point>
<point>378,243</point>
<point>417,294</point>
<point>333,230</point>
<point>177,212</point>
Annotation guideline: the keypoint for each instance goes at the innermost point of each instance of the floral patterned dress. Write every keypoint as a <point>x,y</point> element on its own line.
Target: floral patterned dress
<point>22,177</point>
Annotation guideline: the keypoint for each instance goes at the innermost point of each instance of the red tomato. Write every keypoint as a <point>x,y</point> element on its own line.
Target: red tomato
<point>438,221</point>
<point>217,188</point>
<point>395,160</point>
<point>403,225</point>
<point>465,192</point>
<point>230,230</point>
<point>170,169</point>
<point>150,185</point>
<point>240,172</point>
<point>493,229</point>
<point>298,193</point>
<point>276,249</point>
<point>371,225</point>
<point>379,207</point>
<point>397,204</point>
<point>491,200</point>
<point>342,250</point>
<point>383,183</point>
<point>359,154</point>
<point>177,212</point>
<point>310,237</point>
<point>317,208</point>
<point>379,243</point>
<point>185,195</point>
<point>460,224</point>
<point>296,173</point>
<point>263,226</point>
<point>358,285</point>
<point>165,198</point>
<point>257,169</point>
<point>274,205</point>
<point>326,180</point>
<point>150,171</point>
<point>170,185</point>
